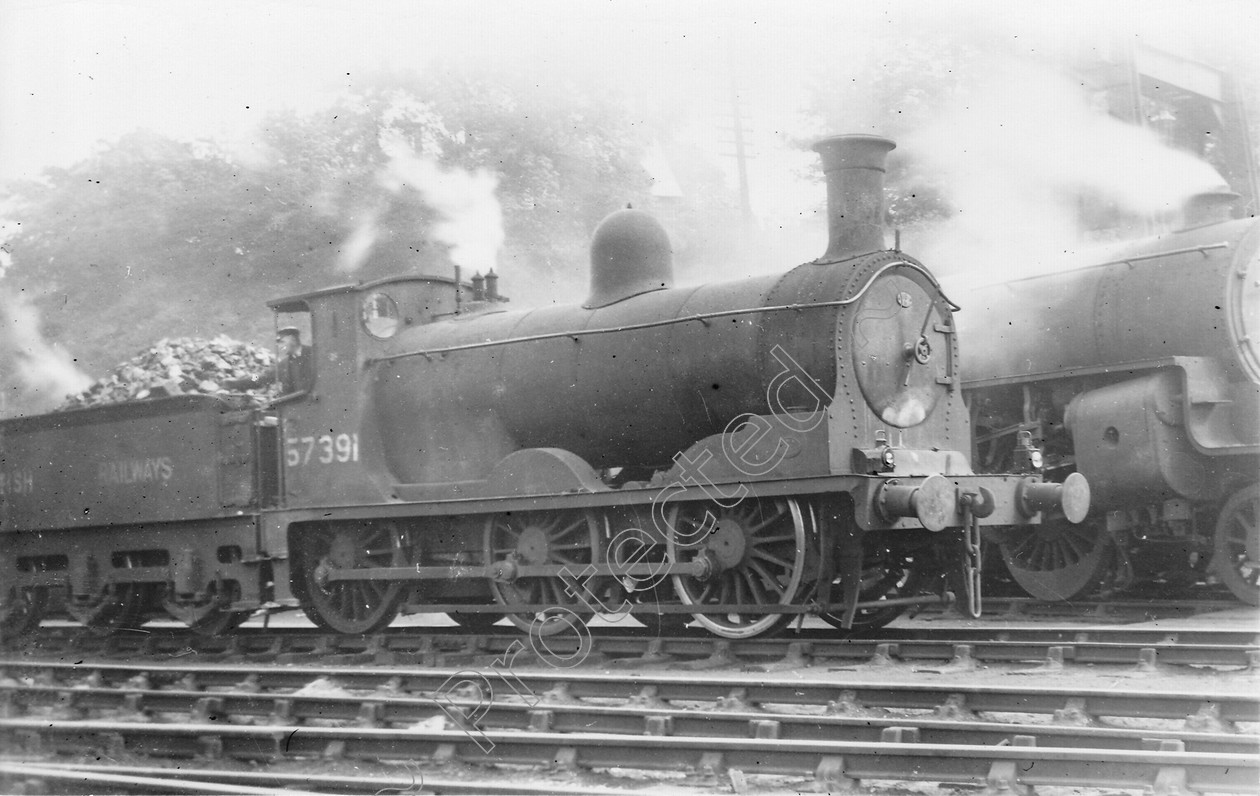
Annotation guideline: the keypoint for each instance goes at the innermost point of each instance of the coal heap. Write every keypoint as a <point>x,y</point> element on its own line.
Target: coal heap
<point>183,366</point>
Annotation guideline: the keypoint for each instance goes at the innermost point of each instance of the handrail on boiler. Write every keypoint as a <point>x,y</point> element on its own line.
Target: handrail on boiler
<point>703,318</point>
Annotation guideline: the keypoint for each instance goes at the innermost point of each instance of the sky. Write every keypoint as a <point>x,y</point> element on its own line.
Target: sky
<point>76,74</point>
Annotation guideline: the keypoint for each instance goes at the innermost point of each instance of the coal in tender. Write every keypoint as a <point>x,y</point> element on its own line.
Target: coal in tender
<point>183,366</point>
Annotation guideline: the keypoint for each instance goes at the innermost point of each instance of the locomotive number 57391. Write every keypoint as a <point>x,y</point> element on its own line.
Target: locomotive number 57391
<point>325,449</point>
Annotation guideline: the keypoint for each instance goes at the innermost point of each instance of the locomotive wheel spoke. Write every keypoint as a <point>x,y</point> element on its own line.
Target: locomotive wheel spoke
<point>758,527</point>
<point>758,594</point>
<point>349,606</point>
<point>766,577</point>
<point>1236,540</point>
<point>775,539</point>
<point>571,538</point>
<point>1057,560</point>
<point>758,549</point>
<point>568,530</point>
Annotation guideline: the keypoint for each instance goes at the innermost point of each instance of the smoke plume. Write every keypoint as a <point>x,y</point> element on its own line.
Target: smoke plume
<point>355,249</point>
<point>1015,157</point>
<point>45,372</point>
<point>471,220</point>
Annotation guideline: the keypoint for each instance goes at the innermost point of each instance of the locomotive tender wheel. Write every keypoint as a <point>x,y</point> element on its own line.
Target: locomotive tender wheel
<point>351,606</point>
<point>758,548</point>
<point>21,610</point>
<point>573,538</point>
<point>1237,544</point>
<point>885,575</point>
<point>1057,560</point>
<point>208,618</point>
<point>117,606</point>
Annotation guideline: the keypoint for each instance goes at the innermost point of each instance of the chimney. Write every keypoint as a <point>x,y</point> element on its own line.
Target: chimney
<point>492,285</point>
<point>854,166</point>
<point>479,287</point>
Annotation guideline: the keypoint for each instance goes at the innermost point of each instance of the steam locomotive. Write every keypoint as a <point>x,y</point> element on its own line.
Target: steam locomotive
<point>1143,374</point>
<point>737,454</point>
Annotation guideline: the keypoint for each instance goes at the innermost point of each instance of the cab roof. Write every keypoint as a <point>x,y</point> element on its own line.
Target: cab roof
<point>298,302</point>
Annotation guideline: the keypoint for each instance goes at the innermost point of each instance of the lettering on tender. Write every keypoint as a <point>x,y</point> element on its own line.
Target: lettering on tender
<point>17,482</point>
<point>135,471</point>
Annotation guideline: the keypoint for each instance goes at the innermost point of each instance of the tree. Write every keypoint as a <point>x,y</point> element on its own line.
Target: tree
<point>904,83</point>
<point>140,237</point>
<point>153,238</point>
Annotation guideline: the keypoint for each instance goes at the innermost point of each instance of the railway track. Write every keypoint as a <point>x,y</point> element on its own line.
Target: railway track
<point>1130,608</point>
<point>1049,647</point>
<point>934,702</point>
<point>833,729</point>
<point>137,779</point>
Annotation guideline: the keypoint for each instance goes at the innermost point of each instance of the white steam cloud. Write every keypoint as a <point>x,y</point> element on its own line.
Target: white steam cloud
<point>45,372</point>
<point>1015,157</point>
<point>355,249</point>
<point>471,219</point>
<point>37,374</point>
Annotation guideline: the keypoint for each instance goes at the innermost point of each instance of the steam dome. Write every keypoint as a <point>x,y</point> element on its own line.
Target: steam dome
<point>630,254</point>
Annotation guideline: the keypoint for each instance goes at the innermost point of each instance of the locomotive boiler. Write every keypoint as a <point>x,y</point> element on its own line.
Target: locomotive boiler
<point>1143,374</point>
<point>738,454</point>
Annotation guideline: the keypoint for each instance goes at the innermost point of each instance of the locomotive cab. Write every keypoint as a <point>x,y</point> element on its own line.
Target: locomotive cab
<point>331,448</point>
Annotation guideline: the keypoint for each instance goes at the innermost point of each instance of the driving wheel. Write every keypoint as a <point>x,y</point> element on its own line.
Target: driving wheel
<point>351,606</point>
<point>757,550</point>
<point>560,538</point>
<point>1237,544</point>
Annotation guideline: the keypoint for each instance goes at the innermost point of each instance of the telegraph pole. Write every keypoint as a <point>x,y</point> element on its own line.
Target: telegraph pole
<point>741,153</point>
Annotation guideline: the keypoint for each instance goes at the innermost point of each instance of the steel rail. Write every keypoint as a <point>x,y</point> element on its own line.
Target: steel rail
<point>686,688</point>
<point>176,780</point>
<point>824,653</point>
<point>1224,648</point>
<point>157,782</point>
<point>643,714</point>
<point>831,762</point>
<point>972,631</point>
<point>1130,608</point>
